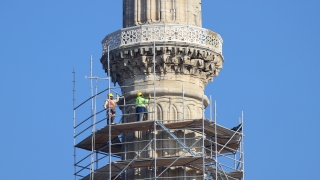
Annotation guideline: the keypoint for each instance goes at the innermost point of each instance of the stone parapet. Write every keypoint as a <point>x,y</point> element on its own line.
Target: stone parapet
<point>183,35</point>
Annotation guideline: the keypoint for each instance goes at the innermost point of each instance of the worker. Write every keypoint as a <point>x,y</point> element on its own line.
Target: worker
<point>110,107</point>
<point>141,106</point>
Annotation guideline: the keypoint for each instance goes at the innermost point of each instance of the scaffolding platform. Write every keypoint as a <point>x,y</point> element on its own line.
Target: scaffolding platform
<point>225,136</point>
<point>221,175</point>
<point>187,161</point>
<point>118,166</point>
<point>210,151</point>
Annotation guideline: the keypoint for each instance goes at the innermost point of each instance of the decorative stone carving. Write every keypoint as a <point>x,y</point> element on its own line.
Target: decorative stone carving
<point>160,33</point>
<point>127,63</point>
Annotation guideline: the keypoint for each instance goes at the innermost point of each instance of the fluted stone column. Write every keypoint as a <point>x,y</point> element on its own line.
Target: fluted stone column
<point>144,12</point>
<point>187,57</point>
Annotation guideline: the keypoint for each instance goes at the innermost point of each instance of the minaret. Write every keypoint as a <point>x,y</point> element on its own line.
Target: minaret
<point>187,57</point>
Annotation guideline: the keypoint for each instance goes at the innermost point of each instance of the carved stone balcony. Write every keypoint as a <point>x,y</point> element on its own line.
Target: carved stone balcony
<point>163,33</point>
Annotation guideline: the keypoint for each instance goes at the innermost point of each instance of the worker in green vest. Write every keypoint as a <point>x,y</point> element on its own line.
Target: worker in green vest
<point>141,108</point>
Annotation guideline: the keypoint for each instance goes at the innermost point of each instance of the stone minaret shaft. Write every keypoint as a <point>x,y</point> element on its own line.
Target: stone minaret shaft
<point>144,12</point>
<point>187,57</point>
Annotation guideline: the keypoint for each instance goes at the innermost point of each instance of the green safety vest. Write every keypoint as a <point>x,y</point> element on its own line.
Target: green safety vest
<point>141,102</point>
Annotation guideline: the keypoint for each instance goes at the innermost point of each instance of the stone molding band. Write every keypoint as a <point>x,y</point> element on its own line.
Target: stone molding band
<point>163,33</point>
<point>173,92</point>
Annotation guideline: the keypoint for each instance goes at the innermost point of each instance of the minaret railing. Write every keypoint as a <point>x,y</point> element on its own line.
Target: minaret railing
<point>137,35</point>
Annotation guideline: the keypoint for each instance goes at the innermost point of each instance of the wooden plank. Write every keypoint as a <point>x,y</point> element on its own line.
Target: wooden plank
<point>102,144</point>
<point>229,148</point>
<point>224,134</point>
<point>231,175</point>
<point>194,162</point>
<point>116,167</point>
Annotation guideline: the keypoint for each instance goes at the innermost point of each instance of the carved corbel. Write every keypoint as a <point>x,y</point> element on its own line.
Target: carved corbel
<point>132,54</point>
<point>209,57</point>
<point>198,63</point>
<point>194,70</point>
<point>142,52</point>
<point>143,64</point>
<point>159,60</point>
<point>205,54</point>
<point>144,61</point>
<point>194,53</point>
<point>186,60</point>
<point>209,66</point>
<point>219,65</point>
<point>125,62</point>
<point>130,67</point>
<point>150,69</point>
<point>166,58</point>
<point>175,60</point>
<point>124,54</point>
<point>199,54</point>
<point>149,60</point>
<point>175,68</point>
<point>187,69</point>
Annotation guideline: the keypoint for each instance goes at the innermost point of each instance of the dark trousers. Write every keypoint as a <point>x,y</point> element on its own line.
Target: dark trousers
<point>141,111</point>
<point>112,114</point>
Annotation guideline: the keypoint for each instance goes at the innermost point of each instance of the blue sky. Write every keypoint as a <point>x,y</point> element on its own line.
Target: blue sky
<point>271,51</point>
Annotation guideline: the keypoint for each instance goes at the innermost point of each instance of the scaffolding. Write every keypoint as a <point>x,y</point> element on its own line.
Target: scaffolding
<point>216,152</point>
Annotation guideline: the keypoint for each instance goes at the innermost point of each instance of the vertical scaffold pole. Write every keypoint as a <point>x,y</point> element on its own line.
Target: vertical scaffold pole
<point>242,149</point>
<point>155,110</point>
<point>183,103</point>
<point>93,123</point>
<point>203,150</point>
<point>183,110</point>
<point>216,139</point>
<point>95,118</point>
<point>211,121</point>
<point>184,130</point>
<point>109,117</point>
<point>74,124</point>
<point>236,162</point>
<point>210,108</point>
